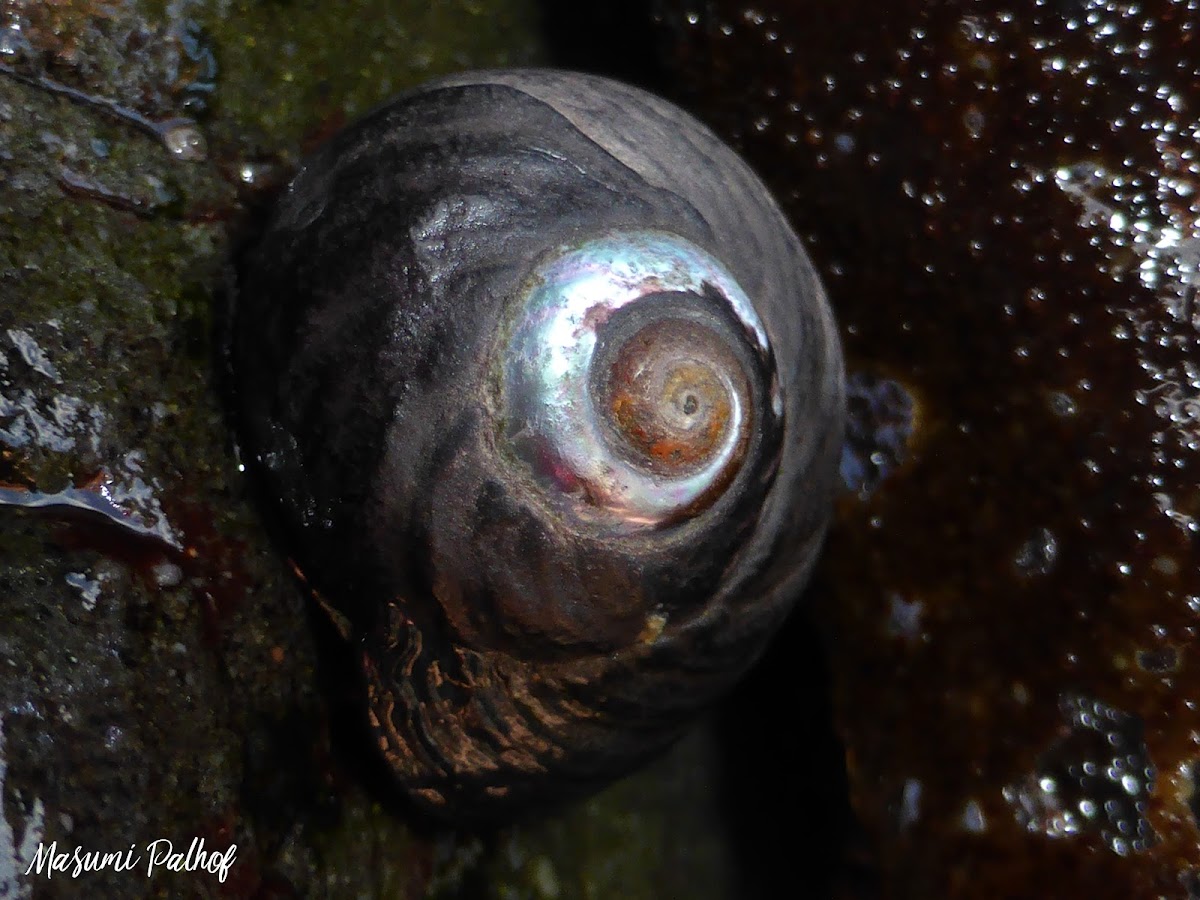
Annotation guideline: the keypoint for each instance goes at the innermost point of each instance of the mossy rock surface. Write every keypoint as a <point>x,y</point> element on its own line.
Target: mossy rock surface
<point>164,674</point>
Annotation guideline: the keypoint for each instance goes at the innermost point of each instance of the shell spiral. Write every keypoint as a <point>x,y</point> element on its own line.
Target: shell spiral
<point>550,401</point>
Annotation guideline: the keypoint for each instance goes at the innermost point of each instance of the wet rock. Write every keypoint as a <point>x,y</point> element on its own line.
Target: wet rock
<point>1003,202</point>
<point>162,672</point>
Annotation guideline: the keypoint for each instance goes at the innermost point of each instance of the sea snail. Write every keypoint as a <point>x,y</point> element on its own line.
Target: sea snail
<point>550,398</point>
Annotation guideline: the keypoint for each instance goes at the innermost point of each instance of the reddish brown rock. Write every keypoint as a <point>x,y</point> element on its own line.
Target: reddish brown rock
<point>1002,198</point>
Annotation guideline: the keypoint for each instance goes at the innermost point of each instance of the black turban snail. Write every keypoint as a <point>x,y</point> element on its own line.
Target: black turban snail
<point>550,399</point>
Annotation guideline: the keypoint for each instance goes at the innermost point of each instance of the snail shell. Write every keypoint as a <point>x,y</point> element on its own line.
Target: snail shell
<point>551,400</point>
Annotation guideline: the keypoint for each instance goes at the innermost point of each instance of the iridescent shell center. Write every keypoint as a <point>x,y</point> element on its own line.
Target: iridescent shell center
<point>625,390</point>
<point>676,397</point>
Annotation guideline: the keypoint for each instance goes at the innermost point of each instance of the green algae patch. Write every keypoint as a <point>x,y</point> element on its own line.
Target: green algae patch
<point>293,71</point>
<point>657,833</point>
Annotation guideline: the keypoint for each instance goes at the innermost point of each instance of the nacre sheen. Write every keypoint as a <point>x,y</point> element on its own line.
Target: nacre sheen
<point>548,399</point>
<point>550,403</point>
